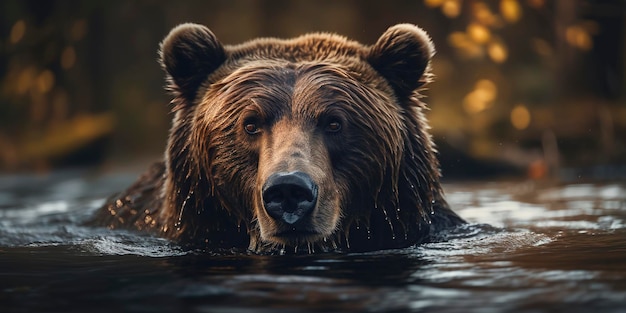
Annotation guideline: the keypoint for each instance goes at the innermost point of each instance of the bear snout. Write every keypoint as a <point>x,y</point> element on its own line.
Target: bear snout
<point>289,197</point>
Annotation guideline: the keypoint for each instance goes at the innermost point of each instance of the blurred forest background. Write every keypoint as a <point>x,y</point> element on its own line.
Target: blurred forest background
<point>523,87</point>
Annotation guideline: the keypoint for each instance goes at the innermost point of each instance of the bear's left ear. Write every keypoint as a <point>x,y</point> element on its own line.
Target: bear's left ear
<point>402,55</point>
<point>189,54</point>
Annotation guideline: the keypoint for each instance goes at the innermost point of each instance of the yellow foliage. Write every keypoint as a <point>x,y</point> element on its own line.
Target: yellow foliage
<point>487,88</point>
<point>45,81</point>
<point>478,33</point>
<point>520,117</point>
<point>451,8</point>
<point>464,44</point>
<point>63,138</point>
<point>25,80</point>
<point>17,31</point>
<point>474,102</point>
<point>458,39</point>
<point>511,10</point>
<point>481,98</point>
<point>578,37</point>
<point>483,14</point>
<point>497,51</point>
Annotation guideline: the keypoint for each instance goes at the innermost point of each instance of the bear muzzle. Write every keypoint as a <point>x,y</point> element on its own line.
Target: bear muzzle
<point>290,197</point>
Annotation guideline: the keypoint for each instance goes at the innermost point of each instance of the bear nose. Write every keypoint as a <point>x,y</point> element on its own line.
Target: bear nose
<point>289,196</point>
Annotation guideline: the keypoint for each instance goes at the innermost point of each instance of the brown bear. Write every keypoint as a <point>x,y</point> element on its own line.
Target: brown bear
<point>316,143</point>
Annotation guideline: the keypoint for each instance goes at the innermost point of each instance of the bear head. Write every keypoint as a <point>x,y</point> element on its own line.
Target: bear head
<point>317,142</point>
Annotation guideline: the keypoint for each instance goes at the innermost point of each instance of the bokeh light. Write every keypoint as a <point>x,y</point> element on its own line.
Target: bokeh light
<point>481,97</point>
<point>497,51</point>
<point>17,31</point>
<point>511,10</point>
<point>520,117</point>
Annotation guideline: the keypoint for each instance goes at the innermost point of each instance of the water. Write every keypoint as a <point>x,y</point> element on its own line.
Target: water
<point>530,248</point>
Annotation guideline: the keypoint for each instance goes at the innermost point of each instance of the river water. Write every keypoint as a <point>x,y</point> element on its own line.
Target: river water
<point>530,247</point>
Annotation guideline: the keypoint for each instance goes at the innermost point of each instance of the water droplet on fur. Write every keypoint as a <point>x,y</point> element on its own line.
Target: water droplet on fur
<point>406,236</point>
<point>393,237</point>
<point>325,240</point>
<point>412,186</point>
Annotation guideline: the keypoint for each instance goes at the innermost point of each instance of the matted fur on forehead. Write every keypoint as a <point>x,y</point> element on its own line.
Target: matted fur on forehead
<point>287,85</point>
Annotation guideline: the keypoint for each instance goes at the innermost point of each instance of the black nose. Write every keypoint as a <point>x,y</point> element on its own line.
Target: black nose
<point>289,196</point>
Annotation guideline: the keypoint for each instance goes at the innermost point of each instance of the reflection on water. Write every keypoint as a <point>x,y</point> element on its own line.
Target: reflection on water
<point>529,248</point>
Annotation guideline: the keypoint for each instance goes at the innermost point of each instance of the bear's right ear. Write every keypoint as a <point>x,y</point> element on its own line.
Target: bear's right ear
<point>189,53</point>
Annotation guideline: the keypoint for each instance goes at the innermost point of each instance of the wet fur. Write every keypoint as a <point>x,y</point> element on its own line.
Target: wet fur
<point>383,168</point>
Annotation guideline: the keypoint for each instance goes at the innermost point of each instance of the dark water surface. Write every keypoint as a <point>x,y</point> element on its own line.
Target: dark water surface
<point>553,248</point>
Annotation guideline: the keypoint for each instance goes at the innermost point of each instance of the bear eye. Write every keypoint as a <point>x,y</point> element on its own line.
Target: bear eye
<point>333,126</point>
<point>251,128</point>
